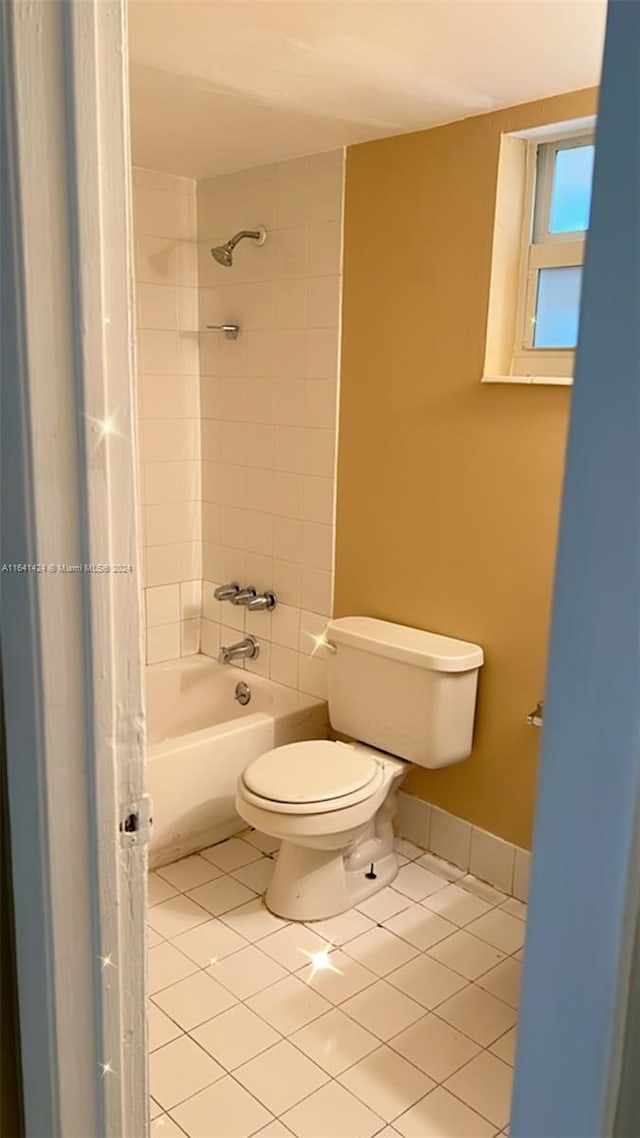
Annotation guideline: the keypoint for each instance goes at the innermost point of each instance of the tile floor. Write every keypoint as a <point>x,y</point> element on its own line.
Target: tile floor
<point>409,1029</point>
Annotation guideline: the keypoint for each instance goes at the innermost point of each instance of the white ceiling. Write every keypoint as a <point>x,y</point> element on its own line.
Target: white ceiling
<point>221,85</point>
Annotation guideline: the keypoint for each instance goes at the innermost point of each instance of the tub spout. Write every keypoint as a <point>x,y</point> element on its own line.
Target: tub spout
<point>247,649</point>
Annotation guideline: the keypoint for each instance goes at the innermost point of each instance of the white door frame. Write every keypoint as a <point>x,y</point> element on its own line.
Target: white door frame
<point>71,642</point>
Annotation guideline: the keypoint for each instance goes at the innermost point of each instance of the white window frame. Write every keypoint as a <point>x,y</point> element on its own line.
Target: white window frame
<point>540,250</point>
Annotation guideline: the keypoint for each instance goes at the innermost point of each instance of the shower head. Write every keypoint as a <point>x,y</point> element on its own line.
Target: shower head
<point>223,254</point>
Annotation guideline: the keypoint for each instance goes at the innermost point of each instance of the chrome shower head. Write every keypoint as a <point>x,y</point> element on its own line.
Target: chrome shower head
<point>223,254</point>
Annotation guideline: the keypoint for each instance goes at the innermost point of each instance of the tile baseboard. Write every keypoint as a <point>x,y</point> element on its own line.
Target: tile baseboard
<point>501,864</point>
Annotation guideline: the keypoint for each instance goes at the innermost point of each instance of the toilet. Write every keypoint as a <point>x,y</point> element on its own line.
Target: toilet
<point>407,698</point>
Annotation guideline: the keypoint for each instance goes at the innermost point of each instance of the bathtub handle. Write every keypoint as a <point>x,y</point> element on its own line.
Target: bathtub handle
<point>226,592</point>
<point>261,602</point>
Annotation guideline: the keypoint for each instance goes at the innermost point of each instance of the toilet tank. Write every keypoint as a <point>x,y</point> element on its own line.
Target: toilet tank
<point>408,692</point>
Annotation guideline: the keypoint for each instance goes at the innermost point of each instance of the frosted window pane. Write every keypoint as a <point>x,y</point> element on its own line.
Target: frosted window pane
<point>557,308</point>
<point>571,192</point>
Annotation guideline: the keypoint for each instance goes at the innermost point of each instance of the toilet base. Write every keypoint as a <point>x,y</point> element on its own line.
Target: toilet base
<point>312,884</point>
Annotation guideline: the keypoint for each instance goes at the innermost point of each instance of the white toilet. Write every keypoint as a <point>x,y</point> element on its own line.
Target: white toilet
<point>409,698</point>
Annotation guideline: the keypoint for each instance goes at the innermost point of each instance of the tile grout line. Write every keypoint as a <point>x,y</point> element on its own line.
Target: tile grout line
<point>331,1006</point>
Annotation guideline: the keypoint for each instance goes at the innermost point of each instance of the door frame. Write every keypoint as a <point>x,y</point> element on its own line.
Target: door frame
<point>580,1009</point>
<point>71,641</point>
<point>72,647</point>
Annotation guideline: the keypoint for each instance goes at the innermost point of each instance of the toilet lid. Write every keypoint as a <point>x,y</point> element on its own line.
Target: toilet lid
<point>314,771</point>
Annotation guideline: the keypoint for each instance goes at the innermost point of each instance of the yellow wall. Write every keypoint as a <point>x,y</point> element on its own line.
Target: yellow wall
<point>448,490</point>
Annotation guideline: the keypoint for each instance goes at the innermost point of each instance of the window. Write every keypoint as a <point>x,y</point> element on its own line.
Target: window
<point>557,204</point>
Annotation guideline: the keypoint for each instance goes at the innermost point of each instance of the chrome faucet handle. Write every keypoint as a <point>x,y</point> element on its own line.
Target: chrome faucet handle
<point>243,596</point>
<point>261,602</point>
<point>226,592</point>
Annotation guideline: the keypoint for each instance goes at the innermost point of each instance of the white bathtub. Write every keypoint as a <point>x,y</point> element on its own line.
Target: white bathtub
<point>199,739</point>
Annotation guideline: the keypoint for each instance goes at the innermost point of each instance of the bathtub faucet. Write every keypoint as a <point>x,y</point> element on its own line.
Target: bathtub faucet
<point>247,649</point>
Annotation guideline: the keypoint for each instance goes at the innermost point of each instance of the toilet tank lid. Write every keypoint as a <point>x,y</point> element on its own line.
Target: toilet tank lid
<point>408,645</point>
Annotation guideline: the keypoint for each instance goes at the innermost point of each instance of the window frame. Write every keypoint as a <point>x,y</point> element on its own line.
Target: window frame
<point>541,249</point>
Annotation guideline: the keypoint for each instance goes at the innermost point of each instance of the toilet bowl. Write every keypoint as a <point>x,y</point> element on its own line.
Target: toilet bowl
<point>408,698</point>
<point>332,806</point>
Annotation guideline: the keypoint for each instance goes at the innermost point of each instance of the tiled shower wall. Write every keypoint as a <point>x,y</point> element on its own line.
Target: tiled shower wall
<point>268,405</point>
<point>168,411</point>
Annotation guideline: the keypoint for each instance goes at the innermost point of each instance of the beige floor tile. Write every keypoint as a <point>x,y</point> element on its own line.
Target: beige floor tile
<point>189,872</point>
<point>288,1005</point>
<point>165,966</point>
<point>281,1077</point>
<point>210,942</point>
<point>232,854</point>
<point>159,890</point>
<point>345,927</point>
<point>153,938</point>
<point>341,979</point>
<point>165,1127</point>
<point>386,1082</point>
<point>380,951</point>
<point>420,927</point>
<point>235,1036</point>
<point>252,920</point>
<point>384,904</point>
<point>504,981</point>
<point>485,1085</point>
<point>466,954</point>
<point>505,1047</point>
<point>176,916</point>
<point>382,1010</point>
<point>161,1028</point>
<point>256,875</point>
<point>515,908</point>
<point>478,1014</point>
<point>247,972</point>
<point>263,842</point>
<point>441,1115</point>
<point>443,868</point>
<point>180,1069</point>
<point>334,1041</point>
<point>154,1108</point>
<point>291,946</point>
<point>217,897</point>
<point>499,929</point>
<point>407,849</point>
<point>427,981</point>
<point>224,1110</point>
<point>275,1129</point>
<point>435,1047</point>
<point>332,1111</point>
<point>481,889</point>
<point>417,883</point>
<point>456,905</point>
<point>193,1001</point>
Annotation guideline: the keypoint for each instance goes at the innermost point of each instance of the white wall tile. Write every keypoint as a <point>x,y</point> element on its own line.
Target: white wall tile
<point>285,625</point>
<point>190,637</point>
<point>168,409</point>
<point>163,643</point>
<point>450,838</point>
<point>316,590</point>
<point>324,257</point>
<point>413,819</point>
<point>312,674</point>
<point>268,402</point>
<point>521,870</point>
<point>492,859</point>
<point>284,666</point>
<point>162,605</point>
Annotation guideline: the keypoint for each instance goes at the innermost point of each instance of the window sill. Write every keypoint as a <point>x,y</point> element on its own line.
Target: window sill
<point>544,380</point>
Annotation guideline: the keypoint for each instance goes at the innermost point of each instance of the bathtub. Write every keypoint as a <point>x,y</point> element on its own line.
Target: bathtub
<point>199,739</point>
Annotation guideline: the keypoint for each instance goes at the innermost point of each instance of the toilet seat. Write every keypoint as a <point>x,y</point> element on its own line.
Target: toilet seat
<point>313,777</point>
